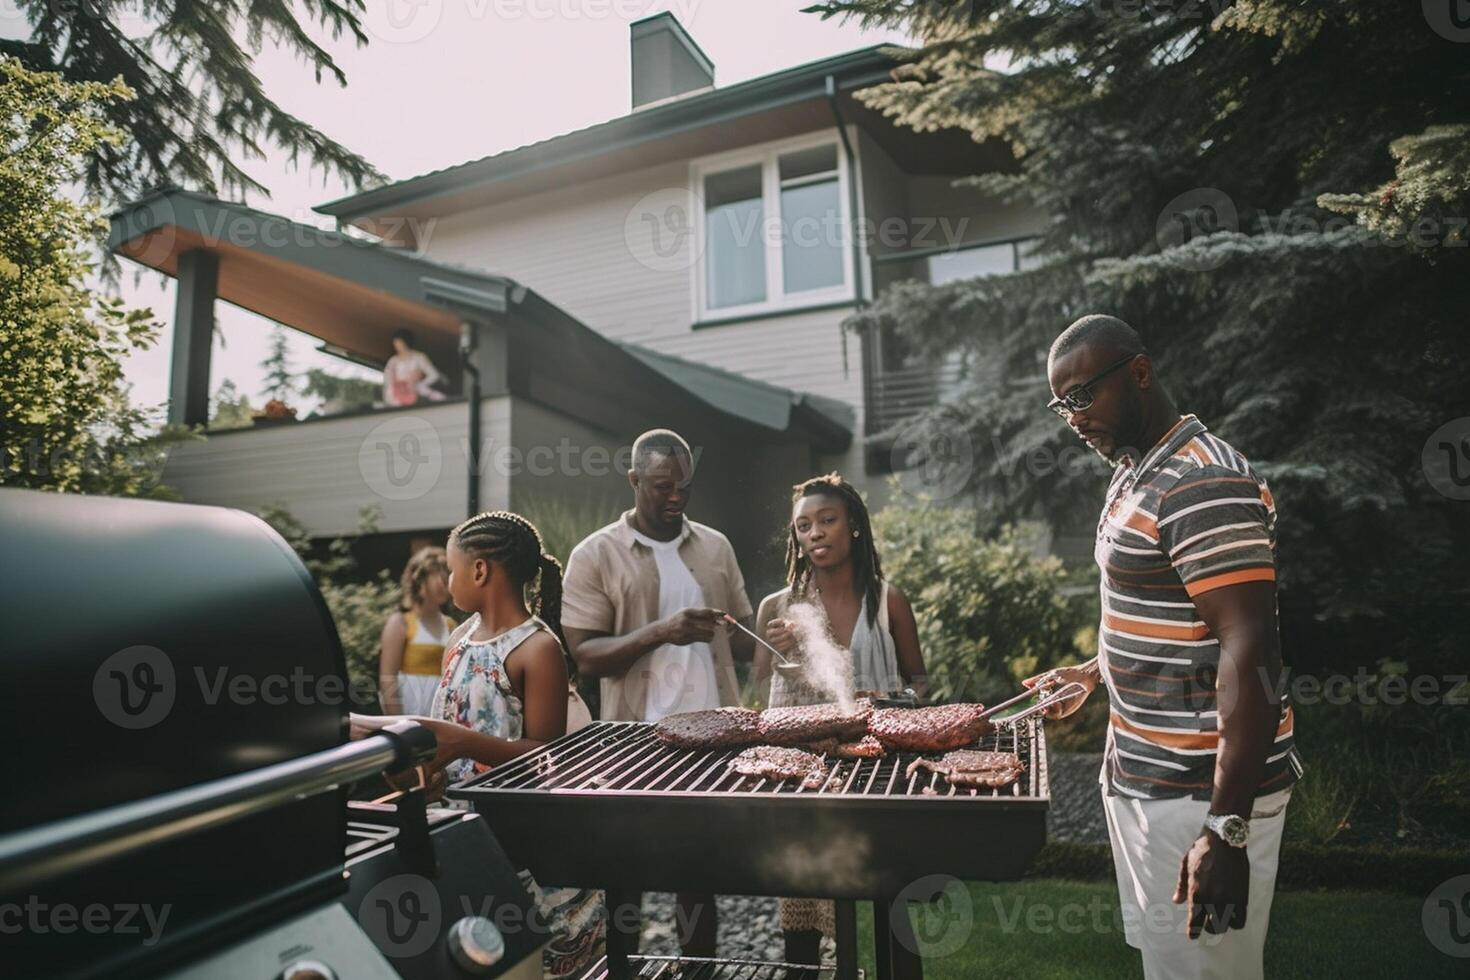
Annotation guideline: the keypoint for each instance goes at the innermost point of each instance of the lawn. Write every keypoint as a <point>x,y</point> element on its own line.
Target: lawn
<point>1328,935</point>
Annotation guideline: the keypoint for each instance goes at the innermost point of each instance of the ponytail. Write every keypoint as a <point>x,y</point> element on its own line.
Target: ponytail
<point>548,606</point>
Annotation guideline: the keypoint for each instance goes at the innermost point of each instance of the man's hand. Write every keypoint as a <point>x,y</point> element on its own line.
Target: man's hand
<point>780,635</point>
<point>1215,879</point>
<point>1050,680</point>
<point>691,626</point>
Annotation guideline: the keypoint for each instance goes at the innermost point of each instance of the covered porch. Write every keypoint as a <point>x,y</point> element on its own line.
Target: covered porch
<point>542,406</point>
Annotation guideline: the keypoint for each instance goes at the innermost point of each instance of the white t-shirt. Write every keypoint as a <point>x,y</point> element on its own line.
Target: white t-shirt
<point>680,678</point>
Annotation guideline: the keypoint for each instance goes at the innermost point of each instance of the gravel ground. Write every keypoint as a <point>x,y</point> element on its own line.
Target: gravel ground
<point>750,927</point>
<point>1076,813</point>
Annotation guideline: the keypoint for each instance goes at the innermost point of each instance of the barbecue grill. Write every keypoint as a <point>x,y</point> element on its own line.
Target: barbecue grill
<point>177,718</point>
<point>615,807</point>
<point>681,968</point>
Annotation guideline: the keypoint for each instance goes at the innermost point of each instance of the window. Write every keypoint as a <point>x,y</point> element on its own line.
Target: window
<point>982,260</point>
<point>735,261</point>
<point>774,230</point>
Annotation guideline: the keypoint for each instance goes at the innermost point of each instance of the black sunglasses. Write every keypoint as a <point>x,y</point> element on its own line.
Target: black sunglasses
<point>1079,397</point>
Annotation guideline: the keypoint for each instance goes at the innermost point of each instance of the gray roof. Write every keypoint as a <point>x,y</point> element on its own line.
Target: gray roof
<point>853,70</point>
<point>371,266</point>
<point>766,404</point>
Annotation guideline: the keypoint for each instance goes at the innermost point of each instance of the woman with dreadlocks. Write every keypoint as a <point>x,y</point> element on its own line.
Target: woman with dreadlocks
<point>505,690</point>
<point>832,568</point>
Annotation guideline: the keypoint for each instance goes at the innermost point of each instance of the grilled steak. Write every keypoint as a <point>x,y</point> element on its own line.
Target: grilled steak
<point>813,722</point>
<point>934,729</point>
<point>969,767</point>
<point>720,728</point>
<point>866,747</point>
<point>780,763</point>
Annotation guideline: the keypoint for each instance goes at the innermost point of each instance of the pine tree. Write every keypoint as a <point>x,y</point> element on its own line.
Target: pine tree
<point>231,409</point>
<point>199,107</point>
<point>1275,194</point>
<point>280,380</point>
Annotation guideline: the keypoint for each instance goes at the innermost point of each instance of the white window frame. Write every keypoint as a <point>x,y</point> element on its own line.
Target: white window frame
<point>767,155</point>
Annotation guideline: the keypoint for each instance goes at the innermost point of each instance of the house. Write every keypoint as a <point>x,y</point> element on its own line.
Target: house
<point>690,264</point>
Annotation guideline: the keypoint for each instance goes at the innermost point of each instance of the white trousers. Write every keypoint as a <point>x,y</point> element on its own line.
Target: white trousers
<point>1150,838</point>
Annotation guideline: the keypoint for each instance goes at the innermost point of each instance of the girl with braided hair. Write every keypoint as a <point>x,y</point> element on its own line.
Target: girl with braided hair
<point>505,690</point>
<point>832,566</point>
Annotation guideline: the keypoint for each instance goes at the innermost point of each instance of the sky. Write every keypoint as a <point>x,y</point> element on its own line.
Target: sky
<point>446,81</point>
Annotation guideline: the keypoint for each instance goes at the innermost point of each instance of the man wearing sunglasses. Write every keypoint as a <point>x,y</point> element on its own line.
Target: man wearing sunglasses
<point>1200,756</point>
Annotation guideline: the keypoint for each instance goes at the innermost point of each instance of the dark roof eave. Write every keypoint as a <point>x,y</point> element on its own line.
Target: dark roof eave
<point>858,69</point>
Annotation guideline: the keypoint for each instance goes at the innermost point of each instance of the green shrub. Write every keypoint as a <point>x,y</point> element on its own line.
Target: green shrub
<point>989,610</point>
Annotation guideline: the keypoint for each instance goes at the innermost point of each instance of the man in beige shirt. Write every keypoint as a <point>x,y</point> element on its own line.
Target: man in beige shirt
<point>643,608</point>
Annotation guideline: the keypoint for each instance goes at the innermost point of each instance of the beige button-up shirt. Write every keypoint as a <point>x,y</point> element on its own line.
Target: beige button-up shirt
<point>612,585</point>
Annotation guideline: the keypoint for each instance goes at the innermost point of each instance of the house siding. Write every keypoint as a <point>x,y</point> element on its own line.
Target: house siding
<point>325,471</point>
<point>583,248</point>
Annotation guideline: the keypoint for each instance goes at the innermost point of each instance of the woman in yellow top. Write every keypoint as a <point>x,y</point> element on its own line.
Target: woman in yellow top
<point>411,656</point>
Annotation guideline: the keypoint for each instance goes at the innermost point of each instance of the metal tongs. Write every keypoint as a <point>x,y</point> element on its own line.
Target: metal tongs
<point>1049,697</point>
<point>781,661</point>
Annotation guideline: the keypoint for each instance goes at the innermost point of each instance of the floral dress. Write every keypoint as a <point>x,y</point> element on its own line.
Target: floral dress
<point>475,691</point>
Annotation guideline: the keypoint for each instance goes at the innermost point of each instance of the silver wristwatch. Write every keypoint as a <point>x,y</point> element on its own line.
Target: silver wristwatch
<point>1230,828</point>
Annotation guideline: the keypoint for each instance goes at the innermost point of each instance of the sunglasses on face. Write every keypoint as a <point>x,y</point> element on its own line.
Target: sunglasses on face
<point>1078,398</point>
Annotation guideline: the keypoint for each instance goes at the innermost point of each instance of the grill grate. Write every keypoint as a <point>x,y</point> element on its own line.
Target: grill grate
<point>674,968</point>
<point>628,758</point>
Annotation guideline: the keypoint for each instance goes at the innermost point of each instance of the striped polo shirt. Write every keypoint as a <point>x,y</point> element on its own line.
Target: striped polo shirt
<point>1191,516</point>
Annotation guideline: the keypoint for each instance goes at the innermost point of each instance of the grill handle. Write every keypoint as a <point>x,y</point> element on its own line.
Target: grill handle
<point>38,854</point>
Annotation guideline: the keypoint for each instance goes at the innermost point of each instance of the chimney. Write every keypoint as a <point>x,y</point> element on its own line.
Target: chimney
<point>666,61</point>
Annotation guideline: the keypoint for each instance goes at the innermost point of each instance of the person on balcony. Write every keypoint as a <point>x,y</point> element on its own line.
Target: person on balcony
<point>409,376</point>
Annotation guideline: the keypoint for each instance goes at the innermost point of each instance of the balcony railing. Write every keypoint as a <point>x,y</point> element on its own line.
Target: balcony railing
<point>899,394</point>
